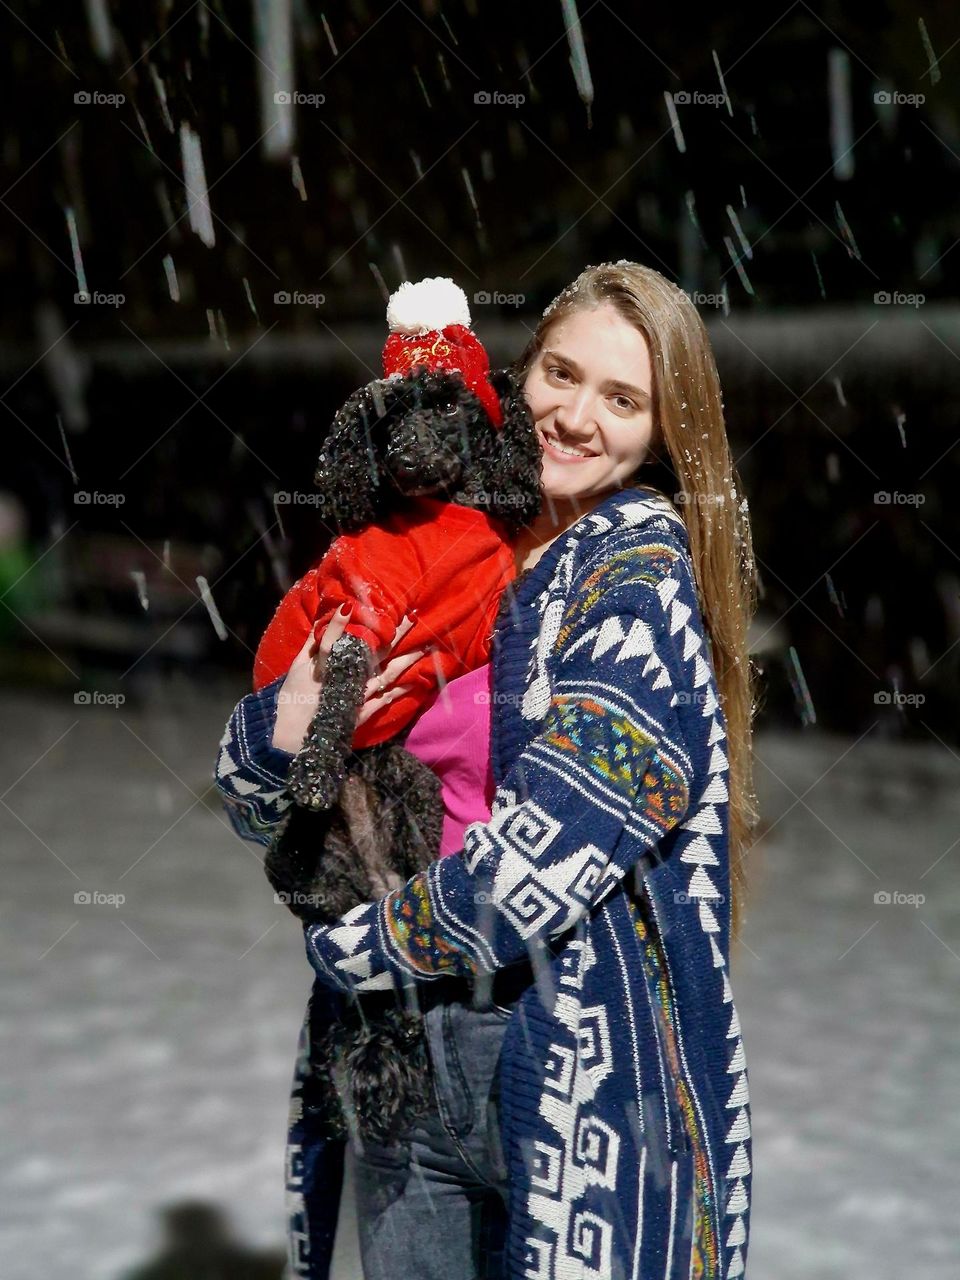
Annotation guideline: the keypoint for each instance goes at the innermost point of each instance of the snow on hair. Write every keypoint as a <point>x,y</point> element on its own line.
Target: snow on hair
<point>424,305</point>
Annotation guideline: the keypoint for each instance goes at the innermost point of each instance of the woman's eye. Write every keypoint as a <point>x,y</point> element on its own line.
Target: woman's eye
<point>556,371</point>
<point>625,403</point>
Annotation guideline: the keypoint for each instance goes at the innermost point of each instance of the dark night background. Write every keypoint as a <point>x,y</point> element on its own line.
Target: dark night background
<point>813,215</point>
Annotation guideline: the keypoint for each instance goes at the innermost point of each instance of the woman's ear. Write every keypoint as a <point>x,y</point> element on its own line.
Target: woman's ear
<point>518,459</point>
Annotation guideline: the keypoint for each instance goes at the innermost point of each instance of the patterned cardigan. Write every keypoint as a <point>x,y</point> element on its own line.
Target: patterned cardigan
<point>625,1104</point>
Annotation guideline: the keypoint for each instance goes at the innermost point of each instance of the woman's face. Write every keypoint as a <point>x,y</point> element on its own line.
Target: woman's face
<point>590,393</point>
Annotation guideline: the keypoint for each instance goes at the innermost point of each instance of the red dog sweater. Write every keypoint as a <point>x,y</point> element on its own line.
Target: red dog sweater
<point>449,562</point>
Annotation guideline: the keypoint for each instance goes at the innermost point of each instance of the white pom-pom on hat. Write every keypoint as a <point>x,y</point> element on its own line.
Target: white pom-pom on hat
<point>422,306</point>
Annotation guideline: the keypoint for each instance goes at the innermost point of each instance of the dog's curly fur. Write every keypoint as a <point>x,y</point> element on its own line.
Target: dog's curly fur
<point>364,822</point>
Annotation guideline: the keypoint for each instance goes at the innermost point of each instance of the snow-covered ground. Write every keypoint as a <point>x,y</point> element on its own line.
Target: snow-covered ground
<point>149,1045</point>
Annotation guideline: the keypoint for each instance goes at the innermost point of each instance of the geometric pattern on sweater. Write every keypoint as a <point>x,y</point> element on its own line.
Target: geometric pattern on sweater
<point>631,1149</point>
<point>694,849</point>
<point>251,774</point>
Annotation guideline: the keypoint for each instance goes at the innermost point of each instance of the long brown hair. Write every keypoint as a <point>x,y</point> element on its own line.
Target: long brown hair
<point>691,466</point>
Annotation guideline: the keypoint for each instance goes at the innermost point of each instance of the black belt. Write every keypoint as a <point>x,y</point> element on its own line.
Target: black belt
<point>509,984</point>
<point>503,987</point>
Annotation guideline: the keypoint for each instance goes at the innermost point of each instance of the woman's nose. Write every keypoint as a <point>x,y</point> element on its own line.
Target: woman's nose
<point>574,415</point>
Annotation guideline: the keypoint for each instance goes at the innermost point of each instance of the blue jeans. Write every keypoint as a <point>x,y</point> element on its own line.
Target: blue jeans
<point>434,1204</point>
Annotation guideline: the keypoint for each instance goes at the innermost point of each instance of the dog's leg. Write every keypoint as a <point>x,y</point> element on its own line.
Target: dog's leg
<point>318,769</point>
<point>313,863</point>
<point>371,828</point>
<point>411,793</point>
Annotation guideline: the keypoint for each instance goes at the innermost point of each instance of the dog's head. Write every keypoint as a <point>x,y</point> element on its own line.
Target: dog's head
<point>427,434</point>
<point>433,426</point>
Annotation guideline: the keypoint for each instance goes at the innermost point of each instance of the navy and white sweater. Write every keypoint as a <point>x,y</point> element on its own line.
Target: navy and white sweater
<point>625,1102</point>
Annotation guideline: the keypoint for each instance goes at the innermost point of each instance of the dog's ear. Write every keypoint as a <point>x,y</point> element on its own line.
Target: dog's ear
<point>348,473</point>
<point>519,459</point>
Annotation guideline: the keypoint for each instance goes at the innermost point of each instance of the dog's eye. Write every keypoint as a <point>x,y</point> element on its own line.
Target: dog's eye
<point>447,408</point>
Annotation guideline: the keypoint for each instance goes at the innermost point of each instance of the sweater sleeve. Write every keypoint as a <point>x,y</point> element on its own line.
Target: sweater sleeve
<point>609,758</point>
<point>251,773</point>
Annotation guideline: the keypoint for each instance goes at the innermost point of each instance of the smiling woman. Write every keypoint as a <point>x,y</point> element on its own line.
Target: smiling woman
<point>589,1111</point>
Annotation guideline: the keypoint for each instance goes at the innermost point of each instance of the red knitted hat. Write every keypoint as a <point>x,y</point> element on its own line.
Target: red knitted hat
<point>429,324</point>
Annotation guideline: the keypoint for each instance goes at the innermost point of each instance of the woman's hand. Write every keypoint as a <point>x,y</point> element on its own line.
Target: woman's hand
<point>299,694</point>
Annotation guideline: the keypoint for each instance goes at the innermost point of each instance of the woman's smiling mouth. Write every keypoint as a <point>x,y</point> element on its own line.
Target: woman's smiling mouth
<point>562,453</point>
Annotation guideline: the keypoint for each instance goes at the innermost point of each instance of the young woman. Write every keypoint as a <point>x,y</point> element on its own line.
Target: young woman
<point>572,962</point>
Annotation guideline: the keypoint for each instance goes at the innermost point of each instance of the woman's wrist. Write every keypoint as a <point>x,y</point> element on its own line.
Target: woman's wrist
<point>295,710</point>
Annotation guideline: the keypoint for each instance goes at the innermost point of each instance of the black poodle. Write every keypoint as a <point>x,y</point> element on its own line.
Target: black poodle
<point>365,821</point>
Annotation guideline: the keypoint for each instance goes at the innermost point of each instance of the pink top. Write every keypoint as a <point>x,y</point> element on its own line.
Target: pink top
<point>452,737</point>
